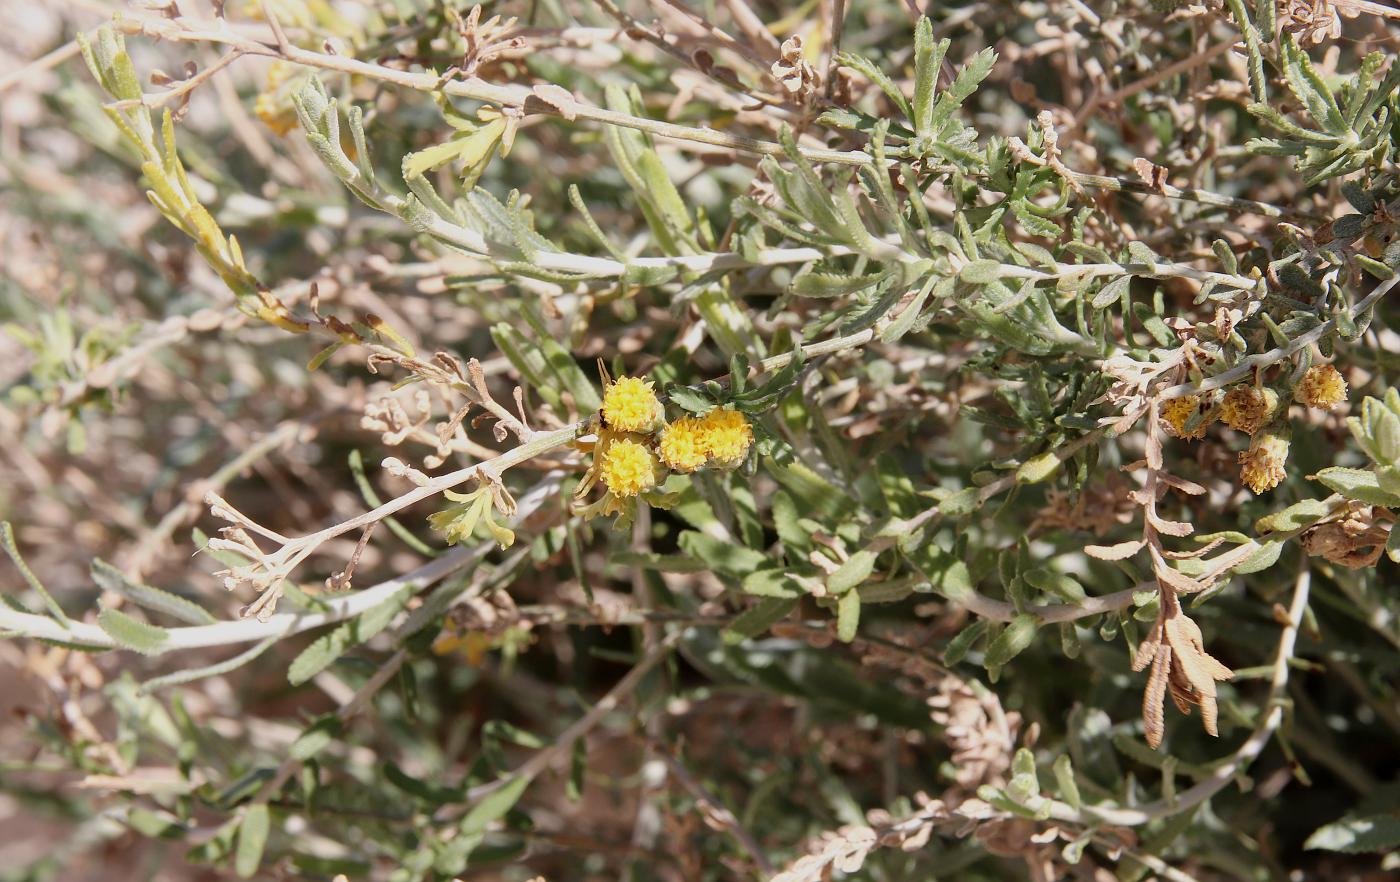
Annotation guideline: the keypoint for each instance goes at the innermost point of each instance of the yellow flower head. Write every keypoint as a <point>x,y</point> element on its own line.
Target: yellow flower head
<point>1261,466</point>
<point>630,405</point>
<point>274,105</point>
<point>1322,387</point>
<point>627,468</point>
<point>1179,411</point>
<point>1247,408</point>
<point>725,435</point>
<point>682,445</point>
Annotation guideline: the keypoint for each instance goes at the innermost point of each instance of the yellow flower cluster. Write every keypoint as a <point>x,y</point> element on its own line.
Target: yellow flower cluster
<point>722,436</point>
<point>630,405</point>
<point>1247,408</point>
<point>636,446</point>
<point>275,110</point>
<point>1179,411</point>
<point>1261,466</point>
<point>1322,387</point>
<point>627,467</point>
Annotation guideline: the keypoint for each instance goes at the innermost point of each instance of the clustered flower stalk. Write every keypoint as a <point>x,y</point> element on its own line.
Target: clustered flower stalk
<point>637,449</point>
<point>1256,411</point>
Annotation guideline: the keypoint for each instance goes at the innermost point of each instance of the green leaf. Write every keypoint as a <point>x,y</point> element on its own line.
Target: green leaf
<point>1015,637</point>
<point>132,634</point>
<point>7,541</point>
<point>1064,780</point>
<point>848,616</point>
<point>726,557</point>
<point>928,58</point>
<point>874,74</point>
<point>772,583</point>
<point>1038,469</point>
<point>948,575</point>
<point>959,646</point>
<point>1267,555</point>
<point>316,738</point>
<point>109,578</point>
<point>981,272</point>
<point>1359,484</point>
<point>214,670</point>
<point>252,839</point>
<point>1063,586</point>
<point>1296,516</point>
<point>1311,90</point>
<point>493,807</point>
<point>855,570</point>
<point>758,618</point>
<point>969,77</point>
<point>327,648</point>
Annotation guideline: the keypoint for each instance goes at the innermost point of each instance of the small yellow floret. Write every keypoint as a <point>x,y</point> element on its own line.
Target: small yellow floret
<point>681,445</point>
<point>1179,411</point>
<point>1322,387</point>
<point>630,405</point>
<point>1261,466</point>
<point>725,435</point>
<point>1246,408</point>
<point>273,108</point>
<point>627,468</point>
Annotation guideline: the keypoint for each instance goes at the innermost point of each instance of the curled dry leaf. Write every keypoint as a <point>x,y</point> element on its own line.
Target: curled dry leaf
<point>1178,660</point>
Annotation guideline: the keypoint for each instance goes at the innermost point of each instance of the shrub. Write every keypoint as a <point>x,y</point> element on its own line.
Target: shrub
<point>812,442</point>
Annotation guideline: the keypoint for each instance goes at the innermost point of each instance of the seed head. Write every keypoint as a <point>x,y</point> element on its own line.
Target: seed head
<point>1261,466</point>
<point>1247,408</point>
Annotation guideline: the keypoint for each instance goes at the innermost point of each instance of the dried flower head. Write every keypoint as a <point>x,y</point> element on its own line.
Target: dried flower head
<point>725,435</point>
<point>630,405</point>
<point>1247,408</point>
<point>1322,387</point>
<point>1179,411</point>
<point>1311,21</point>
<point>1355,540</point>
<point>627,468</point>
<point>682,445</point>
<point>1261,466</point>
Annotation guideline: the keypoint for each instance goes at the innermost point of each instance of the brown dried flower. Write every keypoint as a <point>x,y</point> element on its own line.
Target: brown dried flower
<point>1311,21</point>
<point>1247,408</point>
<point>794,73</point>
<point>1355,540</point>
<point>1261,466</point>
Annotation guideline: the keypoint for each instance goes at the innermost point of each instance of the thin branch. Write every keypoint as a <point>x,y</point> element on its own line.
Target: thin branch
<point>584,724</point>
<point>1238,761</point>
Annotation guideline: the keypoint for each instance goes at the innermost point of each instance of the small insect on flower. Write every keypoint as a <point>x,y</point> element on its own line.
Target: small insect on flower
<point>627,468</point>
<point>681,445</point>
<point>1179,411</point>
<point>1261,466</point>
<point>1247,408</point>
<point>1322,387</point>
<point>630,405</point>
<point>725,435</point>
